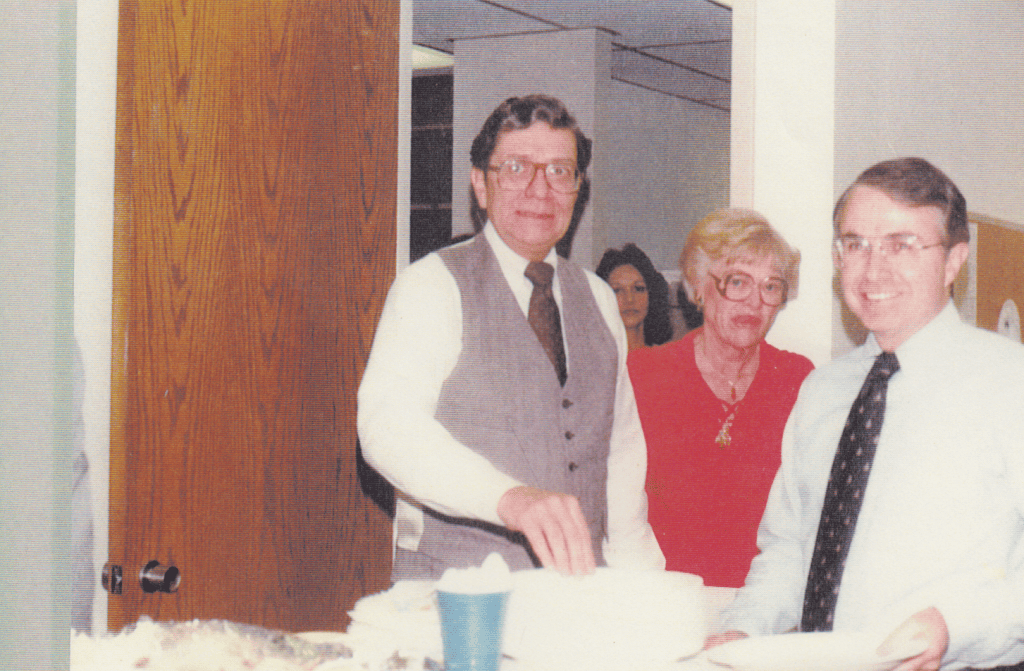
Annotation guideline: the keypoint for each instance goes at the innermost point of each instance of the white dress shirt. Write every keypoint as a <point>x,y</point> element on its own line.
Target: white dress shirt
<point>943,513</point>
<point>416,347</point>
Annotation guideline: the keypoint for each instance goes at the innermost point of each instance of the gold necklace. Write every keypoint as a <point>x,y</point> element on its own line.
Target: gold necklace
<point>724,437</point>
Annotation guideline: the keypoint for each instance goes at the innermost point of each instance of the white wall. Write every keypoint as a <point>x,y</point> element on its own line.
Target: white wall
<point>36,77</point>
<point>94,230</point>
<point>782,126</point>
<point>939,79</point>
<point>668,166</point>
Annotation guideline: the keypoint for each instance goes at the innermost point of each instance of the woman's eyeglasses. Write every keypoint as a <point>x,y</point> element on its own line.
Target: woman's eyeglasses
<point>738,286</point>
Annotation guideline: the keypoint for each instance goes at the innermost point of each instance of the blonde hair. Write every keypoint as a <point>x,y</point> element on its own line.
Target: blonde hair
<point>735,233</point>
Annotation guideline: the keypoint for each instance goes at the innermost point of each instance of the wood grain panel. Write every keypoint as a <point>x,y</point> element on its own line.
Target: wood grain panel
<point>256,163</point>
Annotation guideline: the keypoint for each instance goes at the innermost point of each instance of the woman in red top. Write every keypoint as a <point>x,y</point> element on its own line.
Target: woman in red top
<point>713,404</point>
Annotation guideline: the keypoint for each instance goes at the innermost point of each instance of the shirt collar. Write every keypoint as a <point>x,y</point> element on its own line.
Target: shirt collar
<point>925,346</point>
<point>509,259</point>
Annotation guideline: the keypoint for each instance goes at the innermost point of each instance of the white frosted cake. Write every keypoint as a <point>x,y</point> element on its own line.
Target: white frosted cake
<point>613,620</point>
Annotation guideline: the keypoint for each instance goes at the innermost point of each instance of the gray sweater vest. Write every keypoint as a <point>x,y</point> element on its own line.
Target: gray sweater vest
<point>503,400</point>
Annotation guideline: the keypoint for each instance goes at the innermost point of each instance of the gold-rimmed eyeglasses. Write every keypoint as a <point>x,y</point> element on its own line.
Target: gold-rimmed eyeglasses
<point>515,174</point>
<point>738,286</point>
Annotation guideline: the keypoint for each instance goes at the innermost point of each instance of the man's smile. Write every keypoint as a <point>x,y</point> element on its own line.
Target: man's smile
<point>533,215</point>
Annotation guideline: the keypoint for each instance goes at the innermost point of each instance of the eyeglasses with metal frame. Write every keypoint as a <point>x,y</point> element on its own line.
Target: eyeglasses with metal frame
<point>738,286</point>
<point>895,246</point>
<point>515,174</point>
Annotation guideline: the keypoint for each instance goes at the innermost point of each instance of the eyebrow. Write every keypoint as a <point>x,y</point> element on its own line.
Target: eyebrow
<point>737,271</point>
<point>887,235</point>
<point>522,157</point>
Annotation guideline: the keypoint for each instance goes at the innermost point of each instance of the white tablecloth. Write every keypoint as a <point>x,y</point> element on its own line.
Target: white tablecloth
<point>403,621</point>
<point>396,629</point>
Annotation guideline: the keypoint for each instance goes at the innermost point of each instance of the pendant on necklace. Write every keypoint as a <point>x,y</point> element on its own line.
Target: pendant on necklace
<point>723,439</point>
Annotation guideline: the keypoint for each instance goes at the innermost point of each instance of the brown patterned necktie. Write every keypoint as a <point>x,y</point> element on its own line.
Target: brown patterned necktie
<point>844,495</point>
<point>543,315</point>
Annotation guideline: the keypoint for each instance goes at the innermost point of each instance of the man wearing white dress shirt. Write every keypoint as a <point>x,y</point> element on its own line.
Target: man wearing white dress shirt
<point>493,442</point>
<point>936,551</point>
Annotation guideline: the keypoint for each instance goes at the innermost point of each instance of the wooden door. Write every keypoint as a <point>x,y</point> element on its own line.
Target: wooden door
<point>255,190</point>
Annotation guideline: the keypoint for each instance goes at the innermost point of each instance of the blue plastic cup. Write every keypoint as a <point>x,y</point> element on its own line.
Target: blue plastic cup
<point>471,630</point>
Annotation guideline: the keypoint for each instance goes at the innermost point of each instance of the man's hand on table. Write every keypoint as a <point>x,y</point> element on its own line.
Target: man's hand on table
<point>554,525</point>
<point>927,624</point>
<point>718,639</point>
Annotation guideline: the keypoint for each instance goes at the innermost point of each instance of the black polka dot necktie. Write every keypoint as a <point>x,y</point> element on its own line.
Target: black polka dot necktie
<point>844,494</point>
<point>543,315</point>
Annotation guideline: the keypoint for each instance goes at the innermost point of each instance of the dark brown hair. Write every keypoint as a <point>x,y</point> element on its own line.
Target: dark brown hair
<point>914,182</point>
<point>658,322</point>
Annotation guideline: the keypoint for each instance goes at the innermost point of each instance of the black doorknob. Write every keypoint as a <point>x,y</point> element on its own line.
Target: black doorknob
<point>156,578</point>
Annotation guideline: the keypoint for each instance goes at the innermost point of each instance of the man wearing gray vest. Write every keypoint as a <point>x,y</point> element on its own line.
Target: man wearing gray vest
<point>496,398</point>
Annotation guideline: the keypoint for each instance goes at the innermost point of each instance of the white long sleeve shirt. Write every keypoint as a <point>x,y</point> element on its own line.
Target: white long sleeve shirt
<point>416,347</point>
<point>943,514</point>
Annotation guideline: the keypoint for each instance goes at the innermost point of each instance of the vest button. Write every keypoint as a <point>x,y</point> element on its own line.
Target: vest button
<point>569,435</point>
<point>566,403</point>
<point>573,466</point>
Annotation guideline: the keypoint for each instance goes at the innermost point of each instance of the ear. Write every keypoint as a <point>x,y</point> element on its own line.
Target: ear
<point>478,179</point>
<point>955,258</point>
<point>692,294</point>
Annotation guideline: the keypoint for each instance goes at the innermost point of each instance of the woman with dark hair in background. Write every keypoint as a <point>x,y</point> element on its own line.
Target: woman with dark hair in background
<point>642,293</point>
